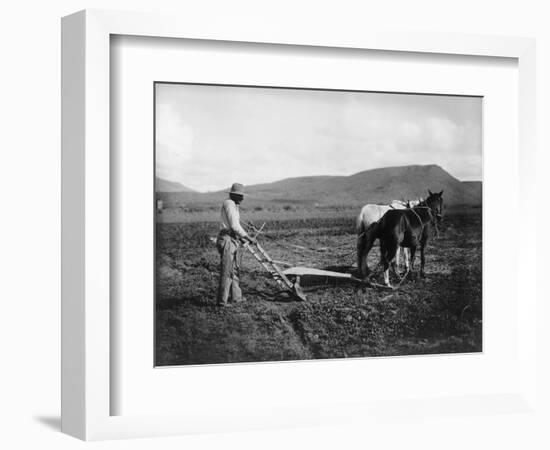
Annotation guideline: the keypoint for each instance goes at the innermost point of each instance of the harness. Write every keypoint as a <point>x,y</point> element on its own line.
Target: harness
<point>420,220</point>
<point>418,217</point>
<point>433,220</point>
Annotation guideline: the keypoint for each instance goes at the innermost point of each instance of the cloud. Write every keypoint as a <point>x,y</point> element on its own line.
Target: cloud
<point>442,133</point>
<point>174,144</point>
<point>210,136</point>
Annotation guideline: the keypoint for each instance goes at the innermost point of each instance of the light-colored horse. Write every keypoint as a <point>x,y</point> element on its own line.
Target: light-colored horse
<point>369,215</point>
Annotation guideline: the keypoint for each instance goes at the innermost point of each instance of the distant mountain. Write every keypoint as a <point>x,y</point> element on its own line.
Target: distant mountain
<point>371,186</point>
<point>170,186</point>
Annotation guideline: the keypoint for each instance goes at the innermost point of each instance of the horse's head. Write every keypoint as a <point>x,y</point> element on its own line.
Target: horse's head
<point>435,203</point>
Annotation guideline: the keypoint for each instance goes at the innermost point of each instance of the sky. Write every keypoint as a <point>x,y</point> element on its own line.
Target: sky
<point>208,137</point>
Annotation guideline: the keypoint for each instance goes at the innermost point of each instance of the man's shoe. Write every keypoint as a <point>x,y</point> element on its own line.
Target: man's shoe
<point>241,300</point>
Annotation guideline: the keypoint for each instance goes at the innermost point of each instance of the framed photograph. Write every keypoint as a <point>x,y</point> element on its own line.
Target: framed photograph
<point>266,228</point>
<point>225,289</point>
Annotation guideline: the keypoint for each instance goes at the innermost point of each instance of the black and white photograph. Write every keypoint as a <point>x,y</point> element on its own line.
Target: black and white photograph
<point>300,224</point>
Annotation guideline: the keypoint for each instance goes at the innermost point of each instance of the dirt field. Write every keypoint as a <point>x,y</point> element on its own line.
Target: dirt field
<point>439,314</point>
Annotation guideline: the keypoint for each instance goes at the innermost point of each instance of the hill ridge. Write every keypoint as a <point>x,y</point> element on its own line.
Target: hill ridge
<point>163,185</point>
<point>379,185</point>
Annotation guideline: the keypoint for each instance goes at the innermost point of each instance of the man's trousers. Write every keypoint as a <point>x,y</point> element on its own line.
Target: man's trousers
<point>230,254</point>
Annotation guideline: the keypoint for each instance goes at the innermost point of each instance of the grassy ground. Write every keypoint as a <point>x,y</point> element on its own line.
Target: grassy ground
<point>439,314</point>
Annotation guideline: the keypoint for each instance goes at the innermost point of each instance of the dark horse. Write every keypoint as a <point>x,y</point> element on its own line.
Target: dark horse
<point>407,228</point>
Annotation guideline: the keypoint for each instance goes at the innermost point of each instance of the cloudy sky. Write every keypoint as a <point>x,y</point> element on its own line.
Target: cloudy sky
<point>207,137</point>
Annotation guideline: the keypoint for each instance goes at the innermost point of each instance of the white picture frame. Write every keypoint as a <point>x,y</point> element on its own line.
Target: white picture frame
<point>86,216</point>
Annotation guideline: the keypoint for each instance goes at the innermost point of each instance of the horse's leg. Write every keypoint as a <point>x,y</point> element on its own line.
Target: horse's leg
<point>394,262</point>
<point>360,249</point>
<point>404,274</point>
<point>406,256</point>
<point>397,262</point>
<point>402,259</point>
<point>368,241</point>
<point>423,243</point>
<point>422,259</point>
<point>388,250</point>
<point>413,254</point>
<point>387,277</point>
<point>384,262</point>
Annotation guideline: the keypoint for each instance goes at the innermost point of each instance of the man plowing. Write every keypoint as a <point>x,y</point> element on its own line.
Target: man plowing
<point>228,243</point>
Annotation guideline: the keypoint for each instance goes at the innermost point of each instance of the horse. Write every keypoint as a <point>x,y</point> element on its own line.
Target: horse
<point>407,228</point>
<point>369,215</point>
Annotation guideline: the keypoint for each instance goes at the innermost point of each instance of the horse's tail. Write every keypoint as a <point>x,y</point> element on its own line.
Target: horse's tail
<point>365,241</point>
<point>371,234</point>
<point>359,224</point>
<point>360,227</point>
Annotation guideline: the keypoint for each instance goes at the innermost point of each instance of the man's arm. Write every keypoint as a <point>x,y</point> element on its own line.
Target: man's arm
<point>233,218</point>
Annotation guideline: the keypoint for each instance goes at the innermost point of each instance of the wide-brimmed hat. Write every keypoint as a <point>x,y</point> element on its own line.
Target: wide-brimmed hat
<point>237,189</point>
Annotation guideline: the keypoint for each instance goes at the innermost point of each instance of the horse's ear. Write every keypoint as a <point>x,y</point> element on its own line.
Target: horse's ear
<point>441,193</point>
<point>430,192</point>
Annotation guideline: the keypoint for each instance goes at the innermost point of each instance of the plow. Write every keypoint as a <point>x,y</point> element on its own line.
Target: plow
<point>289,279</point>
<point>281,277</point>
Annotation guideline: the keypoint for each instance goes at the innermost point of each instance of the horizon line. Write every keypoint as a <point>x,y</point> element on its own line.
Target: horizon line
<point>316,176</point>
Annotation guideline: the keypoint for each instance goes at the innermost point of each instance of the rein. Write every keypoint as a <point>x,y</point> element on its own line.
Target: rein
<point>432,220</point>
<point>418,217</point>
